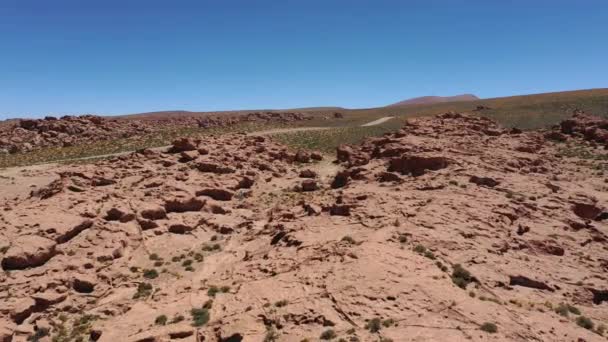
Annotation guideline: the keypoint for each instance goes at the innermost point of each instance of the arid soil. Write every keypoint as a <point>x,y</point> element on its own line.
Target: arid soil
<point>451,229</point>
<point>22,136</point>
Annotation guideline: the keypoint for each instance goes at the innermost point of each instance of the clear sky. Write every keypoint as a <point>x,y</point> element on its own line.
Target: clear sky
<point>128,56</point>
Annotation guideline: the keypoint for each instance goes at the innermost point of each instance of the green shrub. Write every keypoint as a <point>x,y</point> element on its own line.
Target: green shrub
<point>374,325</point>
<point>564,309</point>
<point>161,320</point>
<point>489,327</point>
<point>584,322</point>
<point>328,334</point>
<point>281,303</point>
<point>388,322</point>
<point>461,277</point>
<point>419,249</point>
<point>349,239</point>
<point>200,317</point>
<point>150,274</point>
<point>271,334</point>
<point>143,290</point>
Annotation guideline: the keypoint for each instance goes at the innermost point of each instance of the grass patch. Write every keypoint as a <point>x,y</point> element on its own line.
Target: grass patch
<point>328,140</point>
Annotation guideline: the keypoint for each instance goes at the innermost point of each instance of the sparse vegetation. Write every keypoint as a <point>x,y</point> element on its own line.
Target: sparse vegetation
<point>461,277</point>
<point>200,316</point>
<point>419,249</point>
<point>78,331</point>
<point>388,322</point>
<point>143,290</point>
<point>585,322</point>
<point>150,274</point>
<point>38,335</point>
<point>327,140</point>
<point>564,309</point>
<point>281,303</point>
<point>161,320</point>
<point>374,325</point>
<point>211,247</point>
<point>349,239</point>
<point>271,334</point>
<point>213,290</point>
<point>328,334</point>
<point>489,327</point>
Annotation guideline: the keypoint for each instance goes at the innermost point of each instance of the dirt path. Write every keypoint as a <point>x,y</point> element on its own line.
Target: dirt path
<point>377,122</point>
<point>303,129</point>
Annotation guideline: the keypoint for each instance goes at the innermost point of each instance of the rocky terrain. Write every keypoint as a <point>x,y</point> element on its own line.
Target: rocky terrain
<point>25,135</point>
<point>451,229</point>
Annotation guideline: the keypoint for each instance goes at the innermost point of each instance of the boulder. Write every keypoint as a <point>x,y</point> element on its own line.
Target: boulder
<point>245,183</point>
<point>416,165</point>
<point>188,156</point>
<point>316,156</point>
<point>308,173</point>
<point>22,309</point>
<point>586,210</point>
<point>213,168</point>
<point>340,180</point>
<point>183,144</point>
<point>302,156</point>
<point>388,177</point>
<point>83,283</point>
<point>309,185</point>
<point>153,213</point>
<point>527,282</point>
<point>28,251</point>
<point>118,214</point>
<point>216,193</point>
<point>180,228</point>
<point>178,205</point>
<point>484,181</point>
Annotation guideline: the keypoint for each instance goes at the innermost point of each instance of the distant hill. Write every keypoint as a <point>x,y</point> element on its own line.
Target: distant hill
<point>435,99</point>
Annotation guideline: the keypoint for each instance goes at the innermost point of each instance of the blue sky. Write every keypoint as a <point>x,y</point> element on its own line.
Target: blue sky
<point>128,56</point>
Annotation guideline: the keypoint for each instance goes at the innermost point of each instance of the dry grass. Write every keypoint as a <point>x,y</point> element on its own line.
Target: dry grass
<point>328,140</point>
<point>527,112</point>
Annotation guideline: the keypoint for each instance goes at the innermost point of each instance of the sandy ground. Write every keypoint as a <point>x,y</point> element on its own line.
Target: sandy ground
<point>19,181</point>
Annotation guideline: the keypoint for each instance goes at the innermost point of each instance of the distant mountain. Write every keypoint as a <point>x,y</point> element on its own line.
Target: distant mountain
<point>435,99</point>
